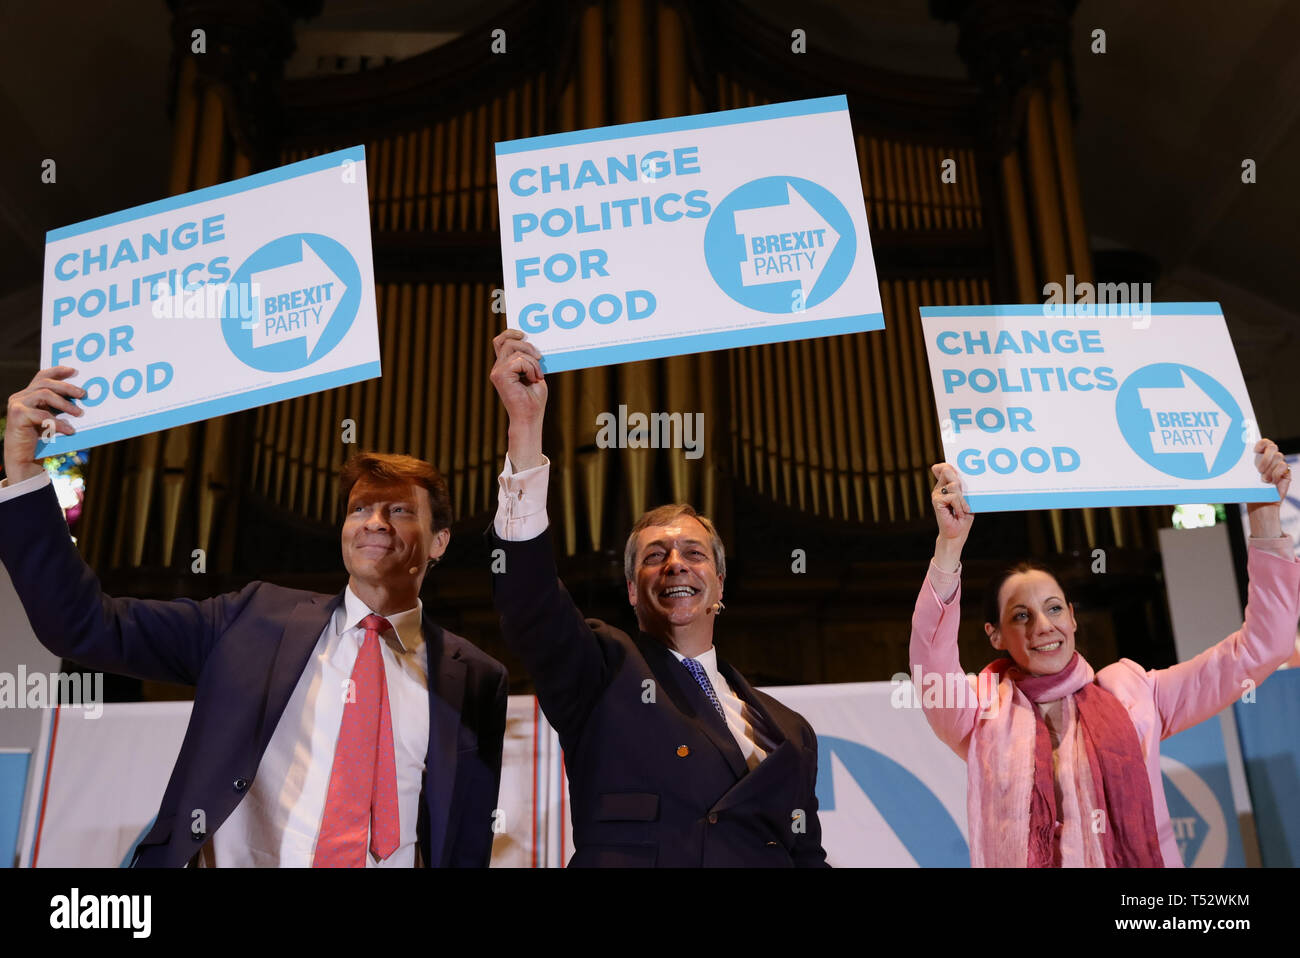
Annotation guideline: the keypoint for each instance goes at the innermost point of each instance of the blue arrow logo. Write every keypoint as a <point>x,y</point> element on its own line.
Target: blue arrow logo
<point>909,808</point>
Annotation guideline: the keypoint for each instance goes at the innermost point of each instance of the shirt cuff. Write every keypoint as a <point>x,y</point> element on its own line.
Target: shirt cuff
<point>521,502</point>
<point>945,583</point>
<point>12,490</point>
<point>1282,547</point>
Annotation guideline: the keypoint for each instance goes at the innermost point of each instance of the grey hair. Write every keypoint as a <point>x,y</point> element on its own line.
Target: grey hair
<point>663,515</point>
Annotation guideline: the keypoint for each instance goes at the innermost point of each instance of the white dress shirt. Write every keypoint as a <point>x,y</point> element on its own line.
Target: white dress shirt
<point>277,821</point>
<point>521,502</point>
<point>12,490</point>
<point>521,514</point>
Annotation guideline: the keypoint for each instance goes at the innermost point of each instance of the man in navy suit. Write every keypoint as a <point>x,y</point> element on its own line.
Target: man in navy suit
<point>673,759</point>
<point>300,697</point>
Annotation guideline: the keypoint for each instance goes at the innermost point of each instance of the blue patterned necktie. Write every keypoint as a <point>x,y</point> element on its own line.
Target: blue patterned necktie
<point>702,677</point>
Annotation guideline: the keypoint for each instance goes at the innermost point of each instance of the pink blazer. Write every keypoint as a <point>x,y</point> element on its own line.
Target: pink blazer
<point>1161,702</point>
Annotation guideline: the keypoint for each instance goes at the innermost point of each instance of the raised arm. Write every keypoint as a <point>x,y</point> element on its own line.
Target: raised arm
<point>165,641</point>
<point>539,620</point>
<point>1192,691</point>
<point>933,646</point>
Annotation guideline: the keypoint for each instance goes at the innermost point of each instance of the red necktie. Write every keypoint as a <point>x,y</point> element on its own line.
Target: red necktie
<point>363,781</point>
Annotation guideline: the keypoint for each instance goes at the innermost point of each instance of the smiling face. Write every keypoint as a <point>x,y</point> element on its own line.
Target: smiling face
<point>388,530</point>
<point>1036,625</point>
<point>675,580</point>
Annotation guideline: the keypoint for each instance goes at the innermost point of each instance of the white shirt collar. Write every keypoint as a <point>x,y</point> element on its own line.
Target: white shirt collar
<point>406,625</point>
<point>707,659</point>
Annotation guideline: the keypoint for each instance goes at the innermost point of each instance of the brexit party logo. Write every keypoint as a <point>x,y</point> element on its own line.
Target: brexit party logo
<point>308,288</point>
<point>1196,815</point>
<point>780,244</point>
<point>1181,421</point>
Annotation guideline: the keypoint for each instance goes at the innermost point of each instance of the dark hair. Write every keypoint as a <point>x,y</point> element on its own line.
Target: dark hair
<point>992,608</point>
<point>384,467</point>
<point>662,516</point>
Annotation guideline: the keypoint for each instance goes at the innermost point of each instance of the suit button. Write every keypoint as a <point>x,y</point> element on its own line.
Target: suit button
<point>683,751</point>
<point>713,818</point>
<point>241,784</point>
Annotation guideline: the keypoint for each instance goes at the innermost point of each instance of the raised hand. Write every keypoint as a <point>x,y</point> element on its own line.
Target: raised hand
<point>1266,517</point>
<point>951,513</point>
<point>29,410</point>
<point>517,377</point>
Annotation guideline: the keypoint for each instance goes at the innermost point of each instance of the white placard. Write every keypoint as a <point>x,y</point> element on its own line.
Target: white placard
<point>206,303</point>
<point>1051,407</point>
<point>687,234</point>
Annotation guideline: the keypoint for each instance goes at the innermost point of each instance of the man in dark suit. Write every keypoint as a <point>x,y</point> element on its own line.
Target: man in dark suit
<point>340,730</point>
<point>673,759</point>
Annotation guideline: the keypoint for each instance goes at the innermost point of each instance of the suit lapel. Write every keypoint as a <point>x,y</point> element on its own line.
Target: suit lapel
<point>781,762</point>
<point>691,701</point>
<point>746,691</point>
<point>303,631</point>
<point>446,697</point>
<point>774,770</point>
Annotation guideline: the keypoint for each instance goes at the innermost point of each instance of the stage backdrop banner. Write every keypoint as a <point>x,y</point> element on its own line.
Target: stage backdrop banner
<point>15,766</point>
<point>688,234</point>
<point>102,780</point>
<point>206,303</point>
<point>1198,792</point>
<point>1267,724</point>
<point>532,816</point>
<point>1064,407</point>
<point>889,792</point>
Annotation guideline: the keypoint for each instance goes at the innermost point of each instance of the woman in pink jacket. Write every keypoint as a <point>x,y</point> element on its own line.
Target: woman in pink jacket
<point>1063,764</point>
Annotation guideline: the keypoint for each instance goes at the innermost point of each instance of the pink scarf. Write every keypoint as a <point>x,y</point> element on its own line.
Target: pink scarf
<point>1011,794</point>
